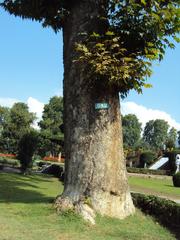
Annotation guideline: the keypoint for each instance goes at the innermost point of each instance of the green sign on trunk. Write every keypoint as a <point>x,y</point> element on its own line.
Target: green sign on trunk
<point>99,106</point>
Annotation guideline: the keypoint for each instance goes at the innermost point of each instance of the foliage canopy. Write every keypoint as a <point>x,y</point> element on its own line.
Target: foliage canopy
<point>132,34</point>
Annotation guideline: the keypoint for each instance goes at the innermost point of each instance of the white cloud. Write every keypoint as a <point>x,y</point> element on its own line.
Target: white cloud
<point>36,107</point>
<point>8,102</point>
<point>145,114</point>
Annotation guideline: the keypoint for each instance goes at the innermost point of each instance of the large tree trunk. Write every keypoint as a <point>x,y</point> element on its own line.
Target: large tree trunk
<point>95,173</point>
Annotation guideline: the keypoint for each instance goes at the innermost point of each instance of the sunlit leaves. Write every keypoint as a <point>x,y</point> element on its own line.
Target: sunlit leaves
<point>106,61</point>
<point>139,33</point>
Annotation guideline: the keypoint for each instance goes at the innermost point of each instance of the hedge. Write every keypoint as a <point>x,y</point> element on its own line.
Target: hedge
<point>9,162</point>
<point>148,171</point>
<point>165,211</point>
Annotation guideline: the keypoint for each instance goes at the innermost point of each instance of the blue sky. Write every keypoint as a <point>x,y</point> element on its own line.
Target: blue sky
<point>31,70</point>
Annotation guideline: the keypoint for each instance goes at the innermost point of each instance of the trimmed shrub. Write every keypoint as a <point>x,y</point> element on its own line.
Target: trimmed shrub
<point>176,179</point>
<point>165,211</point>
<point>148,171</point>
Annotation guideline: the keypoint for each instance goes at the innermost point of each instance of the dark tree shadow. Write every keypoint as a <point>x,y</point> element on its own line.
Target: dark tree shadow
<point>16,188</point>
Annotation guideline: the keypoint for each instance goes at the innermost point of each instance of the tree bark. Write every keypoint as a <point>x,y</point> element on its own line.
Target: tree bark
<point>95,172</point>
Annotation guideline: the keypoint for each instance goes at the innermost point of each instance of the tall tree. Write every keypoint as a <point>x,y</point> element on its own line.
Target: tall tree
<point>131,130</point>
<point>17,122</point>
<point>155,133</point>
<point>51,127</point>
<point>171,139</point>
<point>179,138</point>
<point>108,48</point>
<point>4,114</point>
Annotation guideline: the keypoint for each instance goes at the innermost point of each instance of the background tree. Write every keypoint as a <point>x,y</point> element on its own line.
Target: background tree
<point>16,123</point>
<point>171,139</point>
<point>155,133</point>
<point>178,137</point>
<point>131,130</point>
<point>4,114</point>
<point>108,48</point>
<point>52,137</point>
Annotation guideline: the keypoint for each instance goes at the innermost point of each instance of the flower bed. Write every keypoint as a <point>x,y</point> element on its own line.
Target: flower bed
<point>53,159</point>
<point>7,155</point>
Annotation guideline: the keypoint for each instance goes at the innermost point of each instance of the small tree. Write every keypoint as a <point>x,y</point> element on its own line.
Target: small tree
<point>26,149</point>
<point>147,158</point>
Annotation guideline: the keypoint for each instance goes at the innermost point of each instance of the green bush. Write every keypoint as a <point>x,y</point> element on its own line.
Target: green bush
<point>26,149</point>
<point>9,162</point>
<point>176,179</point>
<point>147,158</point>
<point>147,171</point>
<point>165,211</point>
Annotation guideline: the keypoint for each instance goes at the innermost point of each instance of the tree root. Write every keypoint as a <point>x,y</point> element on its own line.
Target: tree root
<point>63,204</point>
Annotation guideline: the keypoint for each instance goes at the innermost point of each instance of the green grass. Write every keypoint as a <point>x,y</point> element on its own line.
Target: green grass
<point>161,187</point>
<point>26,213</point>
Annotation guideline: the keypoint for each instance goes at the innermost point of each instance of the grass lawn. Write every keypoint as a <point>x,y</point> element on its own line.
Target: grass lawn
<point>26,213</point>
<point>162,187</point>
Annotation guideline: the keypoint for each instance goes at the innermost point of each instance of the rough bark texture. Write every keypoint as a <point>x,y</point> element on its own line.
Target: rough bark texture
<point>95,174</point>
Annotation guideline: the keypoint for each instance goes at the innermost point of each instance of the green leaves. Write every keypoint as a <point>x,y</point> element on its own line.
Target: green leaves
<point>131,130</point>
<point>14,123</point>
<point>111,63</point>
<point>137,33</point>
<point>51,127</point>
<point>50,13</point>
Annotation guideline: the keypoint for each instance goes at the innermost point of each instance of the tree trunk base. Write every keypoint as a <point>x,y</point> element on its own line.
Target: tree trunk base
<point>86,211</point>
<point>104,203</point>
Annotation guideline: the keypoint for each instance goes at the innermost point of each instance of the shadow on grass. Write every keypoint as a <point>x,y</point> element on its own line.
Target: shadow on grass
<point>167,185</point>
<point>16,188</point>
